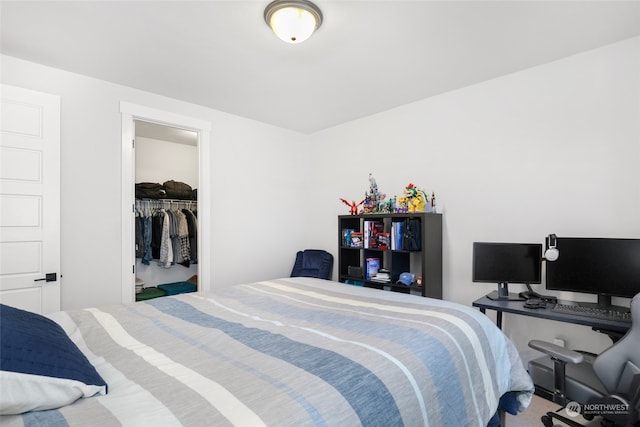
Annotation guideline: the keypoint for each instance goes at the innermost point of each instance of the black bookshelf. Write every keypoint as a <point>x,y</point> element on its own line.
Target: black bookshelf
<point>426,262</point>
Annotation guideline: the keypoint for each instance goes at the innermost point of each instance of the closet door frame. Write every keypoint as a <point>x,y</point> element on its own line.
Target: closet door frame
<point>130,113</point>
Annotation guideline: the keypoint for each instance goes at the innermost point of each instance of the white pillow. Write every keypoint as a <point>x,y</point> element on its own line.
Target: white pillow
<point>40,367</point>
<point>21,393</point>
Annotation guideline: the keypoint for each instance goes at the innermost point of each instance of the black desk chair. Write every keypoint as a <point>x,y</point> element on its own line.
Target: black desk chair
<point>611,378</point>
<point>313,263</point>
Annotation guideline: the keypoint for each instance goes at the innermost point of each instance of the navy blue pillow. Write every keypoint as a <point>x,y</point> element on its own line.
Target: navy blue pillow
<point>36,349</point>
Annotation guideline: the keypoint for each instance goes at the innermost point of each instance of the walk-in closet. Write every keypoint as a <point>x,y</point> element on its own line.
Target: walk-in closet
<point>166,210</point>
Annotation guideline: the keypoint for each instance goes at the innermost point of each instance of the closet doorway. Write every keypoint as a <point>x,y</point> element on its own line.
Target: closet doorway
<point>159,147</point>
<point>166,176</point>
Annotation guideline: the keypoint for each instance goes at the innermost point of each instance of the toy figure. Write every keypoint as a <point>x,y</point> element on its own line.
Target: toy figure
<point>417,199</point>
<point>402,205</point>
<point>373,199</point>
<point>383,207</point>
<point>353,206</point>
<point>372,185</point>
<point>369,204</point>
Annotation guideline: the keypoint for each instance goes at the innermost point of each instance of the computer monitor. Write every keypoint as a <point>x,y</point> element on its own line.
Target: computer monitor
<point>603,266</point>
<point>505,263</point>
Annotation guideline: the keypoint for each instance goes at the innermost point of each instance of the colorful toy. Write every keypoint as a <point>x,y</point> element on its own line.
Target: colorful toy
<point>402,205</point>
<point>384,207</point>
<point>374,199</point>
<point>353,206</point>
<point>416,198</point>
<point>372,184</point>
<point>412,200</point>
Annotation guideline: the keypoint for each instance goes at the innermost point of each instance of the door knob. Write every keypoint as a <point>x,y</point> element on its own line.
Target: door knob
<point>49,277</point>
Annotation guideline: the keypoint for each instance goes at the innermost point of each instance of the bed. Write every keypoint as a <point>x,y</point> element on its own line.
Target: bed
<point>290,352</point>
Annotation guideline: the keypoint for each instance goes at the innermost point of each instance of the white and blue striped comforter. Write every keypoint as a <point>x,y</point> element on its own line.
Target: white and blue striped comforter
<point>290,352</point>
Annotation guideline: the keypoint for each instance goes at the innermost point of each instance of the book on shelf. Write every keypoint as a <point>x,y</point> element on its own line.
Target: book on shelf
<point>366,230</point>
<point>371,231</point>
<point>392,238</point>
<point>397,231</point>
<point>378,228</point>
<point>346,236</point>
<point>373,265</point>
<point>356,239</point>
<point>383,240</point>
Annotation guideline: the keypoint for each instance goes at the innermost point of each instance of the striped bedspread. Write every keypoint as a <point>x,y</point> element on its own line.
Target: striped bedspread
<point>290,352</point>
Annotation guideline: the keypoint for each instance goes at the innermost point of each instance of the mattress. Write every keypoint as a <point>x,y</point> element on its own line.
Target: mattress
<point>290,352</point>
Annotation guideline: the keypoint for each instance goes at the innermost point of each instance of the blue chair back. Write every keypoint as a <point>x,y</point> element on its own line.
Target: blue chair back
<point>313,263</point>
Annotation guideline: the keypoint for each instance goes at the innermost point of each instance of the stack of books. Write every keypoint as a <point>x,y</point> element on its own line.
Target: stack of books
<point>382,276</point>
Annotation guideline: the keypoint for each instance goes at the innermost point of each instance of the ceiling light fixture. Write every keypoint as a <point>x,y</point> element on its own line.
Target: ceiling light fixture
<point>293,21</point>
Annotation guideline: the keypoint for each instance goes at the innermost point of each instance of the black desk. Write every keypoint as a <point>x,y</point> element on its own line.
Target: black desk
<point>614,328</point>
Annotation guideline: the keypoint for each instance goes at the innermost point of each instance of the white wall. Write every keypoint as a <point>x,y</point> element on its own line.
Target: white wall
<point>552,149</point>
<point>251,166</point>
<point>160,161</point>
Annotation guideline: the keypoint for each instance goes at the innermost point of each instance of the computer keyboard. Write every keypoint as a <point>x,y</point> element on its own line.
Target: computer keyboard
<point>619,314</point>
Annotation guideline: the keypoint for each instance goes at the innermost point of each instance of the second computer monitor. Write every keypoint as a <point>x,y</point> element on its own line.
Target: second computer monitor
<point>505,263</point>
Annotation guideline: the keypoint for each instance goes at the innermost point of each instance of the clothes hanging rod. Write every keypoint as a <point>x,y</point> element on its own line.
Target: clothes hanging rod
<point>167,200</point>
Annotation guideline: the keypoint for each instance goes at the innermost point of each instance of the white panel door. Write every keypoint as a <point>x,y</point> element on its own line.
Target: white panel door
<point>29,199</point>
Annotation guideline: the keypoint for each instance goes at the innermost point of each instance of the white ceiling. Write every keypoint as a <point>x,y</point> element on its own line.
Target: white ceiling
<point>368,56</point>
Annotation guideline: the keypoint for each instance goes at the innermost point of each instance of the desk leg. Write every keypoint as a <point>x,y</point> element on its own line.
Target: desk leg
<point>498,317</point>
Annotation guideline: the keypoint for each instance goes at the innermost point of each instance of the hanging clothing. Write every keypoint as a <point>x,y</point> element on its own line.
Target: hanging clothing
<point>139,236</point>
<point>183,237</point>
<point>173,236</point>
<point>156,234</point>
<point>147,255</point>
<point>192,226</point>
<point>166,247</point>
<point>166,235</point>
